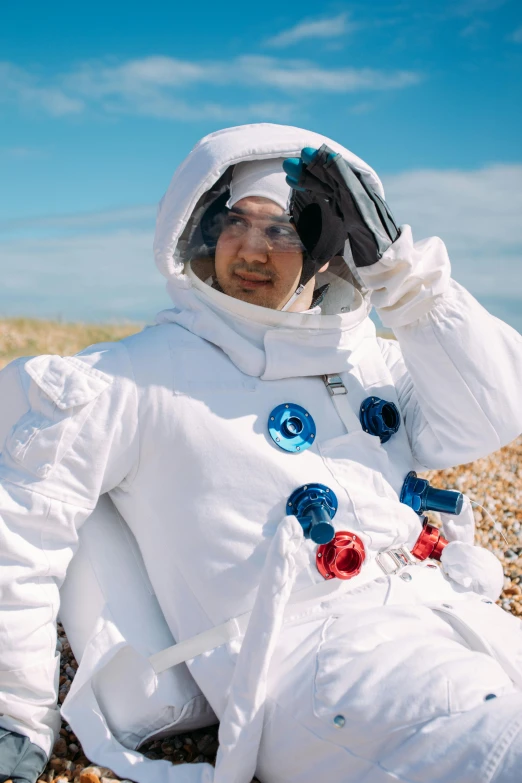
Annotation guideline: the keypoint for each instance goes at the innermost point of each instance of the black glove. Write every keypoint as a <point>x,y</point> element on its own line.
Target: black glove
<point>20,759</point>
<point>331,203</point>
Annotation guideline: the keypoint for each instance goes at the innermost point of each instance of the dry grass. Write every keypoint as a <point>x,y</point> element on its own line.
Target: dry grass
<point>30,337</point>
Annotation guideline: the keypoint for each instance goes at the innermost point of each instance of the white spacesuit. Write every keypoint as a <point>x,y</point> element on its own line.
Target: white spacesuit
<point>404,672</point>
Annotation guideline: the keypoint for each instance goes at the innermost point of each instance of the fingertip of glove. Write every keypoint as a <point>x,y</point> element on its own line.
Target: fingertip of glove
<point>308,154</point>
<point>293,167</point>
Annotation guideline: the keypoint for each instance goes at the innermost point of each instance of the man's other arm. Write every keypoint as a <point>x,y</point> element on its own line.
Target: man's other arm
<point>69,434</point>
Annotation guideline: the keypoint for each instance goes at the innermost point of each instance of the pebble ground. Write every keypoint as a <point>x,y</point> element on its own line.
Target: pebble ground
<point>494,482</point>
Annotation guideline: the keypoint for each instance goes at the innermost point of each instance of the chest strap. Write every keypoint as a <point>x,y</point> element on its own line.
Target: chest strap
<point>386,563</point>
<point>339,394</point>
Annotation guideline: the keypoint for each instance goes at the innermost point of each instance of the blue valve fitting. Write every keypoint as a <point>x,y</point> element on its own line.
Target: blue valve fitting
<point>420,496</point>
<point>379,417</point>
<point>314,505</point>
<point>291,427</point>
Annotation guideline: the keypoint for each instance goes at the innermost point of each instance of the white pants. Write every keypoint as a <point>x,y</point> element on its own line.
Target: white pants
<point>351,701</point>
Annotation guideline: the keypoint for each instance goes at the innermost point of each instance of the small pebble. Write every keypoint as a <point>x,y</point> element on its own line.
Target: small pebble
<point>204,742</point>
<point>60,747</point>
<point>88,776</point>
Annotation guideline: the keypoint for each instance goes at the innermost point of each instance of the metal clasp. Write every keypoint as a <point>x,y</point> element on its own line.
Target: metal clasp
<point>334,384</point>
<point>391,561</point>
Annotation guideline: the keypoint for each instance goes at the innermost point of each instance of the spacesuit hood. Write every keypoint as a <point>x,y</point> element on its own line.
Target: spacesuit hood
<point>246,332</point>
<point>203,174</point>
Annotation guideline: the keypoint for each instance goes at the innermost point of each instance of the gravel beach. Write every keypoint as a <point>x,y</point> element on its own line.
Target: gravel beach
<point>494,482</point>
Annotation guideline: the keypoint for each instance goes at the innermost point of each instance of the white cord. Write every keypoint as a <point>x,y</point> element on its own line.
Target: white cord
<point>292,299</point>
<point>496,525</point>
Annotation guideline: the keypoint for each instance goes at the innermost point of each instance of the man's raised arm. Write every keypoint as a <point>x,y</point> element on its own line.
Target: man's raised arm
<point>458,369</point>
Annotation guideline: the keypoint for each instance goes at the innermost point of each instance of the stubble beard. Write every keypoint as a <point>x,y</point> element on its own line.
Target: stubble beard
<point>261,297</point>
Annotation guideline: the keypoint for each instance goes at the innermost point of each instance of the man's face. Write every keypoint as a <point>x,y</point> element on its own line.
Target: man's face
<point>258,254</point>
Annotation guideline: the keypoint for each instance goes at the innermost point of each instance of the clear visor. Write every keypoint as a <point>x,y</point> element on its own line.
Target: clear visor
<point>252,251</point>
<point>252,231</point>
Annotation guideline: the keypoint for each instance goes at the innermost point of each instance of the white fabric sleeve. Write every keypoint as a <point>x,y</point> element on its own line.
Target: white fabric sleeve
<point>457,369</point>
<point>69,432</point>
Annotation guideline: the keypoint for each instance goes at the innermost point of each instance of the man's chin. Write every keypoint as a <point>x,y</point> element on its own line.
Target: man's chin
<point>256,297</point>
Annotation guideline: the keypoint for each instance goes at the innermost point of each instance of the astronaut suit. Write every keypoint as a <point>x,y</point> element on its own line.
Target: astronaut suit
<point>266,508</point>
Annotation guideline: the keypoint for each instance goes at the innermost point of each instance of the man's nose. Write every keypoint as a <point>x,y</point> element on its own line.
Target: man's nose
<point>255,246</point>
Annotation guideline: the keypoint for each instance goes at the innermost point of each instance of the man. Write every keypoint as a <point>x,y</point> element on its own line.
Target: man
<point>235,440</point>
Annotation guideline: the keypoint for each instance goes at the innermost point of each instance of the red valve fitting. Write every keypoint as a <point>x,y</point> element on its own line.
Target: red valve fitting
<point>342,557</point>
<point>430,543</point>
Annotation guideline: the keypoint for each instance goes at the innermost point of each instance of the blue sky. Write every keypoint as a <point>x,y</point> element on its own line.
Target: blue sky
<point>99,103</point>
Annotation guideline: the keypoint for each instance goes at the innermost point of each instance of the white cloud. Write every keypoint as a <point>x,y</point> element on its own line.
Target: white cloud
<point>156,86</point>
<point>307,77</point>
<point>21,153</point>
<point>472,7</point>
<point>149,80</point>
<point>479,208</point>
<point>96,278</point>
<point>477,214</point>
<point>110,219</point>
<point>516,35</point>
<point>20,86</point>
<point>474,28</point>
<point>84,266</point>
<point>329,27</point>
<point>362,108</point>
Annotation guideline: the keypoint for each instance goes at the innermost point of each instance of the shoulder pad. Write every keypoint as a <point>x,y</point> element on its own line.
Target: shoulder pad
<point>67,381</point>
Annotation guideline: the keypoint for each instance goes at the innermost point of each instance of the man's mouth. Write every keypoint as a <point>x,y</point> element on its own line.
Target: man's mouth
<point>251,280</point>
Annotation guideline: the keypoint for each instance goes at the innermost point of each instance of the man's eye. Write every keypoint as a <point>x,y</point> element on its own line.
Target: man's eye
<point>282,232</point>
<point>284,237</point>
<point>234,220</point>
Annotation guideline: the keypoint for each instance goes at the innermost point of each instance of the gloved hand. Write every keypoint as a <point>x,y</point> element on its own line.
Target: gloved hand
<point>20,759</point>
<point>460,527</point>
<point>474,568</point>
<point>330,204</point>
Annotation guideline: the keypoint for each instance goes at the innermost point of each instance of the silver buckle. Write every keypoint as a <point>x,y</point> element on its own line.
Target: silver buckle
<point>334,384</point>
<point>400,558</point>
